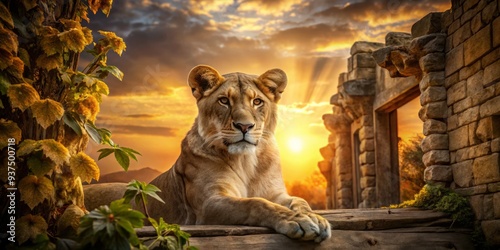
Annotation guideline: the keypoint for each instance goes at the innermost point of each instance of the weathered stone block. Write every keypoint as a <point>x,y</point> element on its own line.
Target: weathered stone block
<point>459,138</point>
<point>397,38</point>
<point>366,132</point>
<point>431,23</point>
<point>365,47</point>
<point>496,32</point>
<point>434,141</point>
<point>491,229</point>
<point>483,96</point>
<point>491,57</point>
<point>475,23</point>
<point>469,4</point>
<point>363,60</point>
<point>436,79</point>
<point>488,128</point>
<point>481,189</point>
<point>366,182</point>
<point>491,74</point>
<point>486,169</point>
<point>436,157</point>
<point>454,26</point>
<point>467,15</point>
<point>433,94</point>
<point>327,152</point>
<point>475,83</point>
<point>362,73</point>
<point>495,145</point>
<point>367,157</point>
<point>489,12</point>
<point>476,202</point>
<point>367,170</point>
<point>479,150</point>
<point>454,59</point>
<point>488,212</point>
<point>457,92</point>
<point>451,80</point>
<point>473,140</point>
<point>452,122</point>
<point>366,145</point>
<point>477,45</point>
<point>462,173</point>
<point>462,105</point>
<point>434,110</point>
<point>462,154</point>
<point>350,65</point>
<point>368,193</point>
<point>343,77</point>
<point>466,72</point>
<point>490,107</point>
<point>325,166</point>
<point>428,44</point>
<point>462,34</point>
<point>494,187</point>
<point>496,205</point>
<point>432,62</point>
<point>468,116</point>
<point>432,126</point>
<point>439,173</point>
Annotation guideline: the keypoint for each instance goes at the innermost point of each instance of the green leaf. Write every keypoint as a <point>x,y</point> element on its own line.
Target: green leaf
<point>22,95</point>
<point>47,112</point>
<point>104,152</point>
<point>29,227</point>
<point>70,120</point>
<point>55,151</point>
<point>122,158</point>
<point>66,244</point>
<point>40,165</point>
<point>84,166</point>
<point>8,129</point>
<point>99,135</point>
<point>5,16</point>
<point>102,88</point>
<point>113,70</point>
<point>35,190</point>
<point>4,84</point>
<point>25,57</point>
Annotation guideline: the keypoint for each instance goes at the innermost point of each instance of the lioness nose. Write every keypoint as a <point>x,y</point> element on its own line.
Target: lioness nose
<point>243,127</point>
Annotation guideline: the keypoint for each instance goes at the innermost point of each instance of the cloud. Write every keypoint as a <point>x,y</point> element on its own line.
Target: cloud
<point>144,130</point>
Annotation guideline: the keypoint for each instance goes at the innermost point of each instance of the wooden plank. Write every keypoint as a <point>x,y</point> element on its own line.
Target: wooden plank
<point>211,230</point>
<point>341,240</point>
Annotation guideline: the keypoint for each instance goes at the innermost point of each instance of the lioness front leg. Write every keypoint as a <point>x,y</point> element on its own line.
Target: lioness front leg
<point>261,212</point>
<point>300,205</point>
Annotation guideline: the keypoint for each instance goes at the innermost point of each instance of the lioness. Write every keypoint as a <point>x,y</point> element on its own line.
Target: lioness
<point>229,170</point>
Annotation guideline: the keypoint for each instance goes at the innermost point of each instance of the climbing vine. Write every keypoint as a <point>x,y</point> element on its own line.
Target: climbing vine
<point>48,112</point>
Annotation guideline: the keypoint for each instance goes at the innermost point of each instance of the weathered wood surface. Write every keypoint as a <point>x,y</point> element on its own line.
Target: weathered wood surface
<point>351,229</point>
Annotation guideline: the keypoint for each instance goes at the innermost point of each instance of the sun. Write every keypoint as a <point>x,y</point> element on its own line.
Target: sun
<point>295,144</point>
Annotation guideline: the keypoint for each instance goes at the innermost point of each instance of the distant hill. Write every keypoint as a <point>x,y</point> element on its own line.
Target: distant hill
<point>143,174</point>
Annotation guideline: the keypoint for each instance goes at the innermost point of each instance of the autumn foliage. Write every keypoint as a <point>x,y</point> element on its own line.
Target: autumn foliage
<point>411,168</point>
<point>312,189</point>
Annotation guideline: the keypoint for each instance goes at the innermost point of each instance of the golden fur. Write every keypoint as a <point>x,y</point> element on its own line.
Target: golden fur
<point>229,170</point>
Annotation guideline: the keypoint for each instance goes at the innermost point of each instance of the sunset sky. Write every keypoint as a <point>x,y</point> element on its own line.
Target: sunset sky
<point>152,109</point>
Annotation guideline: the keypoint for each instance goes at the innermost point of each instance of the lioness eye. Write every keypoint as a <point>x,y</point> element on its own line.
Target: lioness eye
<point>257,101</point>
<point>224,100</point>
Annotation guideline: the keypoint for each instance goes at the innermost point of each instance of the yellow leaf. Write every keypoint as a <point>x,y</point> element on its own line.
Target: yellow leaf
<point>94,5</point>
<point>16,69</point>
<point>34,190</point>
<point>87,33</point>
<point>49,62</point>
<point>106,6</point>
<point>116,43</point>
<point>70,24</point>
<point>5,16</point>
<point>27,146</point>
<point>85,167</point>
<point>47,112</point>
<point>102,88</point>
<point>74,39</point>
<point>5,59</point>
<point>8,129</point>
<point>55,151</point>
<point>70,219</point>
<point>88,107</point>
<point>29,227</point>
<point>51,44</point>
<point>22,95</point>
<point>8,41</point>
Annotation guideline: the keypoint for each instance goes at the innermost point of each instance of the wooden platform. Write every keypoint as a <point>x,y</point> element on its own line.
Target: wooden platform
<point>351,229</point>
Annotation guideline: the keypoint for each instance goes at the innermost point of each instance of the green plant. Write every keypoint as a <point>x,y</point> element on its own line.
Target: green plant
<point>49,108</point>
<point>444,200</point>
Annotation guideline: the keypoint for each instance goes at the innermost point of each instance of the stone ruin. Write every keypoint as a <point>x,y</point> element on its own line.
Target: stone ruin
<point>451,61</point>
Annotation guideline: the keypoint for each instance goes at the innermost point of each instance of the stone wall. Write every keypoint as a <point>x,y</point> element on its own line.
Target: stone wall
<point>451,61</point>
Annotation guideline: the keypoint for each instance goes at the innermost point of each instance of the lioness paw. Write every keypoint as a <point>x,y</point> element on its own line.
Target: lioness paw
<point>325,231</point>
<point>304,227</point>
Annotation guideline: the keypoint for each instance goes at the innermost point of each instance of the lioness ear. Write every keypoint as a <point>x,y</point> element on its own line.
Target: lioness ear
<point>273,81</point>
<point>202,78</point>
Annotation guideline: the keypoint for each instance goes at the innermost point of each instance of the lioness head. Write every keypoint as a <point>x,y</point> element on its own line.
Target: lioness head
<point>236,111</point>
